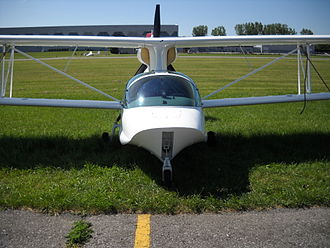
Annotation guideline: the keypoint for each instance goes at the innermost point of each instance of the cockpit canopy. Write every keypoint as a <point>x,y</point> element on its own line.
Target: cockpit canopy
<point>168,89</point>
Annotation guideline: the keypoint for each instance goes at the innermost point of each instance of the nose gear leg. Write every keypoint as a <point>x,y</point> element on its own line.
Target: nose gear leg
<point>115,126</point>
<point>167,172</point>
<point>167,148</point>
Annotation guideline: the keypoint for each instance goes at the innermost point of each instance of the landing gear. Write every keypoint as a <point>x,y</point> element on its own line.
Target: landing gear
<point>167,172</point>
<point>105,136</point>
<point>211,140</point>
<point>115,126</point>
<point>167,149</point>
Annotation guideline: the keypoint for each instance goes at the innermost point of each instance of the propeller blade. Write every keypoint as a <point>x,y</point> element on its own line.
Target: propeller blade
<point>170,68</point>
<point>141,69</point>
<point>156,31</point>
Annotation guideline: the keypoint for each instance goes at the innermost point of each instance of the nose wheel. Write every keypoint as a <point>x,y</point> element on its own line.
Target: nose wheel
<point>167,172</point>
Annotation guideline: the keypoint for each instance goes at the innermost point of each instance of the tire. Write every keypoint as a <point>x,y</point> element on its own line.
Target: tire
<point>105,137</point>
<point>211,140</point>
<point>167,178</point>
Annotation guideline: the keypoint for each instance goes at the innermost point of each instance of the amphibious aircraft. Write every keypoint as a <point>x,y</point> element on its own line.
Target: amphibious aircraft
<point>161,110</point>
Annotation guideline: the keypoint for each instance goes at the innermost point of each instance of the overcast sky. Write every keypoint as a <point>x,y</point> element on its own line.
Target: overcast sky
<point>298,14</point>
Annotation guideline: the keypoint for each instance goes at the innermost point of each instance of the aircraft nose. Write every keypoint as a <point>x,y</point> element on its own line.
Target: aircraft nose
<point>167,114</point>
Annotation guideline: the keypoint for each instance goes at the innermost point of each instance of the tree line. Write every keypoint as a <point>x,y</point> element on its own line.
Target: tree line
<point>251,28</point>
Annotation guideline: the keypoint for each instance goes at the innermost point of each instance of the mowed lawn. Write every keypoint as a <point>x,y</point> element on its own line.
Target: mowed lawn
<point>267,156</point>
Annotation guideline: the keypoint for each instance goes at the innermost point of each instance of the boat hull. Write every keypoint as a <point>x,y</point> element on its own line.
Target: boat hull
<point>164,131</point>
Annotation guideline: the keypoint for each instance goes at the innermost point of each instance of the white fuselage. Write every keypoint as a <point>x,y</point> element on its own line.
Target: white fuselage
<point>145,127</point>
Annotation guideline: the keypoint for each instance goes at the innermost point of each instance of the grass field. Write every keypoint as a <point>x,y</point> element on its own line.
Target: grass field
<point>53,159</point>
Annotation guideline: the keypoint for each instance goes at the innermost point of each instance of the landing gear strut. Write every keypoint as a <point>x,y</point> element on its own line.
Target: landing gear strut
<point>105,136</point>
<point>167,172</point>
<point>167,149</point>
<point>115,126</point>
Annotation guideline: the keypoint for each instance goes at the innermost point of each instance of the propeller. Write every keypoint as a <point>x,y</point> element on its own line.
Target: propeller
<point>156,33</point>
<point>141,69</point>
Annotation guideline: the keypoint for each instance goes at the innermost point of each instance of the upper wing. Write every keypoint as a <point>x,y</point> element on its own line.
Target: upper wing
<point>80,41</point>
<point>250,40</point>
<point>137,42</point>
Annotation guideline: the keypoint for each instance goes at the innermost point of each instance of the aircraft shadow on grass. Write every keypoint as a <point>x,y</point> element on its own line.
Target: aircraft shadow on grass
<point>199,169</point>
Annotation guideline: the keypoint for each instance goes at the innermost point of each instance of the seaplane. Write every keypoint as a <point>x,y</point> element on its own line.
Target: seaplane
<point>161,109</point>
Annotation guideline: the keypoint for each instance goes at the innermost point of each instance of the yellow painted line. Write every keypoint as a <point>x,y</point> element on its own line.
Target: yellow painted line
<point>142,233</point>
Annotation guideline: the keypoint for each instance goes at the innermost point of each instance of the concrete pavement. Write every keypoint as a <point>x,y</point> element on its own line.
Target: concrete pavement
<point>273,228</point>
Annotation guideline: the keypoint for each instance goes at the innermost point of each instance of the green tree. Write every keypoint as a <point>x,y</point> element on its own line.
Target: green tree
<point>239,28</point>
<point>306,31</point>
<point>200,30</point>
<point>219,31</point>
<point>278,29</point>
<point>257,28</point>
<point>249,28</point>
<point>254,28</point>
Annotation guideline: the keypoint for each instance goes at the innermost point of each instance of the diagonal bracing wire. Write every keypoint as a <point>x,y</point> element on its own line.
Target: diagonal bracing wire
<point>249,74</point>
<point>67,75</point>
<point>245,57</point>
<point>323,81</point>
<point>70,59</point>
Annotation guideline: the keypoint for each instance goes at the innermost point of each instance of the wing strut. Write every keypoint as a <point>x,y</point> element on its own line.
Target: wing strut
<point>65,74</point>
<point>10,70</point>
<point>3,60</point>
<point>249,74</point>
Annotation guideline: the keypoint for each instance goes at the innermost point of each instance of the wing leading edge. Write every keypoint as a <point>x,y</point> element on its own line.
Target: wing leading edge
<point>138,42</point>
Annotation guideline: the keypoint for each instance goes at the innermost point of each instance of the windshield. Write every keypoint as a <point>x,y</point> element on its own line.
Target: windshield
<point>160,90</point>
